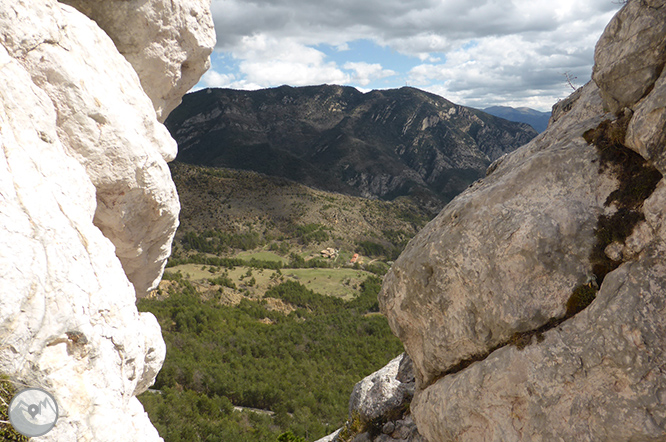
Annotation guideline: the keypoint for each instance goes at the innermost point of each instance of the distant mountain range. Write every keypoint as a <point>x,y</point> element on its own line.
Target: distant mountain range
<point>381,144</point>
<point>537,119</point>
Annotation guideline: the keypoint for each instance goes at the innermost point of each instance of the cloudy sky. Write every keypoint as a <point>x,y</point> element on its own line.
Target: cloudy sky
<point>477,53</point>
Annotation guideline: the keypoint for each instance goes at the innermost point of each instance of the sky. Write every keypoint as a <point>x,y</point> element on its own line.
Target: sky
<point>477,53</point>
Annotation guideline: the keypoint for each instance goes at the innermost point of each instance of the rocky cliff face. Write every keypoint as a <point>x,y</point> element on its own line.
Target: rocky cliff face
<point>491,298</point>
<point>382,144</point>
<point>88,214</point>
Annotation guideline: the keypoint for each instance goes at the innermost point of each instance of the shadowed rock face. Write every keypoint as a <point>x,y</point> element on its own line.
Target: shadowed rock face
<point>504,258</point>
<point>382,144</point>
<point>88,211</point>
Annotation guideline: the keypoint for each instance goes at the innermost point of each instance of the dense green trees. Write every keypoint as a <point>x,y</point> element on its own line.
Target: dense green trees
<point>300,366</point>
<point>216,241</point>
<point>312,233</point>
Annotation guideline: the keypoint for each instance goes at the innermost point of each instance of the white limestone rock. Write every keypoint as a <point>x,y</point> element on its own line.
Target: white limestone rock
<point>168,42</point>
<point>107,123</point>
<point>87,214</point>
<point>381,393</point>
<point>331,437</point>
<point>68,322</point>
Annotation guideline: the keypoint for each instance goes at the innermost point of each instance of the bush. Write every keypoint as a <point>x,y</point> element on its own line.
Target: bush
<point>7,432</point>
<point>312,233</point>
<point>289,437</point>
<point>223,280</point>
<point>378,268</point>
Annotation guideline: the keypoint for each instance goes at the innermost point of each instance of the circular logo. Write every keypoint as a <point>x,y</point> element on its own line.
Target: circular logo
<point>33,412</point>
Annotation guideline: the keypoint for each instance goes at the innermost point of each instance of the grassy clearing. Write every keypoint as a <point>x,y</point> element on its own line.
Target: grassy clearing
<point>261,255</point>
<point>341,283</point>
<point>195,272</point>
<point>338,282</point>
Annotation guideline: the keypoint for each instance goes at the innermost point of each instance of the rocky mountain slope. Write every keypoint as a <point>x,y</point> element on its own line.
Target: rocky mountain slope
<point>382,144</point>
<point>538,120</point>
<point>88,207</point>
<point>532,307</point>
<point>234,201</point>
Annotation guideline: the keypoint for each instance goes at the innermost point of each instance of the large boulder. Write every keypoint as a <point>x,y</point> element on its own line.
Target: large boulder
<point>504,256</point>
<point>88,212</point>
<point>598,377</point>
<point>481,296</point>
<point>107,123</point>
<point>631,53</point>
<point>168,42</point>
<point>67,316</point>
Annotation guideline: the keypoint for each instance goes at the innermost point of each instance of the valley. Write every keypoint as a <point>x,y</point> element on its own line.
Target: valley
<point>269,302</point>
<point>294,204</point>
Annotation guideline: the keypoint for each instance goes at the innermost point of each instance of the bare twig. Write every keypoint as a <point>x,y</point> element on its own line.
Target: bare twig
<point>571,80</point>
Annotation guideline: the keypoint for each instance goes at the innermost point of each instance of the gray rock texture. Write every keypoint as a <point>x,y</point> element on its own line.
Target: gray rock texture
<point>379,406</point>
<point>647,131</point>
<point>631,53</point>
<point>598,377</point>
<point>504,258</point>
<point>384,392</point>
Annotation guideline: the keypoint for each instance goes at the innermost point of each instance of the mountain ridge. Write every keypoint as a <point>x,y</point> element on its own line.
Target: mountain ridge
<point>379,144</point>
<point>537,119</point>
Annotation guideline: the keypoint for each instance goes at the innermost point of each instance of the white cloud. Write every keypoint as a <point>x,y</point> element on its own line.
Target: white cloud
<point>364,73</point>
<point>480,52</point>
<point>497,67</point>
<point>412,26</point>
<point>268,62</point>
<point>215,79</point>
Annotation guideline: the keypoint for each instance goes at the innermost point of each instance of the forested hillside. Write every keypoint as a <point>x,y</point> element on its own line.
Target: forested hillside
<point>265,333</point>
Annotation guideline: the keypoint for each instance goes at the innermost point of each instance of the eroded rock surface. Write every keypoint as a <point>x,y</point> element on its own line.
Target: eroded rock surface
<point>647,131</point>
<point>506,257</point>
<point>383,392</point>
<point>88,211</point>
<point>631,53</point>
<point>167,42</point>
<point>107,123</point>
<point>379,406</point>
<point>599,376</point>
<point>503,256</point>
